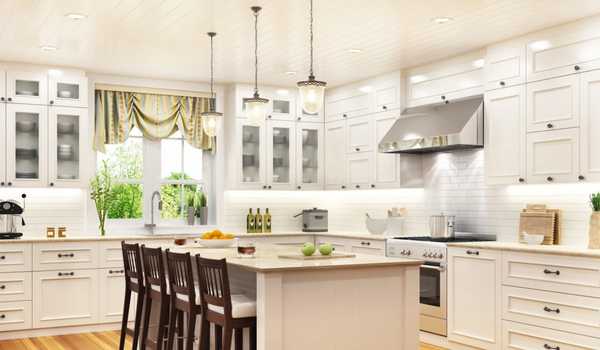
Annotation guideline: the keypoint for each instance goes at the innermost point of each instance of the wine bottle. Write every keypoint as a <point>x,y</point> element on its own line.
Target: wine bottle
<point>258,222</point>
<point>250,222</point>
<point>267,221</point>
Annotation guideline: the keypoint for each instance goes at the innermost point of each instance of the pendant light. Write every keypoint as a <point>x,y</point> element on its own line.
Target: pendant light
<point>256,106</point>
<point>312,92</point>
<point>210,118</point>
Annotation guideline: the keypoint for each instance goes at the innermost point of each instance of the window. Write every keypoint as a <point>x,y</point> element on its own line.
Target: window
<point>177,176</point>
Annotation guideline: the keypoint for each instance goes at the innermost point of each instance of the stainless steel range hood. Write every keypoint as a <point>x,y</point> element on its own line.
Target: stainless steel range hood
<point>437,128</point>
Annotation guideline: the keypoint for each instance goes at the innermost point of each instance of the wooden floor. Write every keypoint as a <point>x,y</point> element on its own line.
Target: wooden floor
<point>86,341</point>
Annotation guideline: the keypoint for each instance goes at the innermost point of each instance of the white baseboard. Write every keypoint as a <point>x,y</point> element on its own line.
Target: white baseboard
<point>442,342</point>
<point>29,333</point>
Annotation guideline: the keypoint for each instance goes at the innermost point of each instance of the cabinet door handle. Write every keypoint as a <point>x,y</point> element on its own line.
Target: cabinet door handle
<point>62,274</point>
<point>2,99</point>
<point>299,118</point>
<point>372,186</point>
<point>115,271</point>
<point>2,287</point>
<point>581,177</point>
<point>299,187</point>
<point>443,97</point>
<point>2,183</point>
<point>550,272</point>
<point>10,183</point>
<point>345,115</point>
<point>502,83</point>
<point>264,187</point>
<point>9,99</point>
<point>52,184</point>
<point>548,347</point>
<point>550,178</point>
<point>343,187</point>
<point>384,108</point>
<point>577,67</point>
<point>365,243</point>
<point>51,102</point>
<point>547,309</point>
<point>2,257</point>
<point>3,316</point>
<point>357,186</point>
<point>269,187</point>
<point>70,255</point>
<point>357,149</point>
<point>549,125</point>
<point>472,252</point>
<point>521,180</point>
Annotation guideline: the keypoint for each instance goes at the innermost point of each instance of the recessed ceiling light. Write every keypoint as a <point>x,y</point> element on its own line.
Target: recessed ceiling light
<point>48,48</point>
<point>290,72</point>
<point>355,50</point>
<point>442,20</point>
<point>76,16</point>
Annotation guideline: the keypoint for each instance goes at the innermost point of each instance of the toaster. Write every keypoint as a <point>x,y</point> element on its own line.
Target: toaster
<point>314,220</point>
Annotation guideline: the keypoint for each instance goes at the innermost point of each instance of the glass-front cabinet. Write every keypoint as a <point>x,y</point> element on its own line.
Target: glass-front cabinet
<point>283,104</point>
<point>280,155</point>
<point>68,91</point>
<point>26,140</point>
<point>27,87</point>
<point>252,150</point>
<point>67,126</point>
<point>309,153</point>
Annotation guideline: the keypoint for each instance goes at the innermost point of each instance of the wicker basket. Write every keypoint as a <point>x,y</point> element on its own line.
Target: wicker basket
<point>594,240</point>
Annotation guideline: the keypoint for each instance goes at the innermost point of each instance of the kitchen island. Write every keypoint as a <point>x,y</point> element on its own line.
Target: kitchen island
<point>342,303</point>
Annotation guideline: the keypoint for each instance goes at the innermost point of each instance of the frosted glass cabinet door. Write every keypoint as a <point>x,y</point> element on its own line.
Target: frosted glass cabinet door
<point>309,153</point>
<point>66,146</point>
<point>26,144</point>
<point>252,148</point>
<point>68,91</point>
<point>26,87</point>
<point>280,155</point>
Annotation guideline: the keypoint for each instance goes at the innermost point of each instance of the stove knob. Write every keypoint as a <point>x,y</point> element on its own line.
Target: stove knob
<point>408,252</point>
<point>441,256</point>
<point>424,255</point>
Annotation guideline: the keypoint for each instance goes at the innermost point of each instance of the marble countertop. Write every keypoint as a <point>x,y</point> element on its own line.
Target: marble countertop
<point>30,239</point>
<point>526,248</point>
<point>267,259</point>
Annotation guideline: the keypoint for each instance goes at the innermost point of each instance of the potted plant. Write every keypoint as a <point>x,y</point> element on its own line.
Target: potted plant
<point>101,194</point>
<point>191,210</point>
<point>201,208</point>
<point>594,235</point>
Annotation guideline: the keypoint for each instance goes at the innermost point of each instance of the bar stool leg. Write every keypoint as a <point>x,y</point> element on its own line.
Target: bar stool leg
<point>147,311</point>
<point>139,308</point>
<point>191,327</point>
<point>218,337</point>
<point>253,337</point>
<point>162,324</point>
<point>239,339</point>
<point>180,331</point>
<point>227,337</point>
<point>172,326</point>
<point>204,334</point>
<point>126,302</point>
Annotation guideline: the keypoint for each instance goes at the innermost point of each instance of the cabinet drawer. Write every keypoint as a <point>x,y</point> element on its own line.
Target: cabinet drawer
<point>524,337</point>
<point>15,315</point>
<point>553,104</point>
<point>111,254</point>
<point>71,255</point>
<point>15,286</point>
<point>571,275</point>
<point>569,313</point>
<point>15,257</point>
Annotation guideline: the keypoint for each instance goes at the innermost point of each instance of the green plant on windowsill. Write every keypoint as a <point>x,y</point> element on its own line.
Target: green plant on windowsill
<point>595,201</point>
<point>200,207</point>
<point>101,194</point>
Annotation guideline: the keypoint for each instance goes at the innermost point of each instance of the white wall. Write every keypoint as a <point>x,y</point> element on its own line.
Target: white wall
<point>454,184</point>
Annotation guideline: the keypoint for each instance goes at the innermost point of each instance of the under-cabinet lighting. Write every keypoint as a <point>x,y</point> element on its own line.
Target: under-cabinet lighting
<point>290,72</point>
<point>442,20</point>
<point>355,50</point>
<point>48,48</point>
<point>76,16</point>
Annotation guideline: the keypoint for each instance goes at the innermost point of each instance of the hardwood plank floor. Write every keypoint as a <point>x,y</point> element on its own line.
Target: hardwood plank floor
<point>87,341</point>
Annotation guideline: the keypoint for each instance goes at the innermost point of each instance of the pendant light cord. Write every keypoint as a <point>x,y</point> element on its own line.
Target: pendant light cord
<point>311,76</point>
<point>256,51</point>
<point>212,69</point>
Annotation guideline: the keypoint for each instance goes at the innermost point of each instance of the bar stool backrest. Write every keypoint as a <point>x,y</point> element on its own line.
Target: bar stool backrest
<point>181,275</point>
<point>154,269</point>
<point>214,284</point>
<point>132,262</point>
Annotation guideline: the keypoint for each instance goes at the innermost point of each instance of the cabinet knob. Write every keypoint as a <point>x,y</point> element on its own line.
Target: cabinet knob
<point>344,115</point>
<point>10,183</point>
<point>357,186</point>
<point>2,257</point>
<point>577,67</point>
<point>2,183</point>
<point>384,108</point>
<point>264,187</point>
<point>372,185</point>
<point>581,177</point>
<point>343,187</point>
<point>9,99</point>
<point>446,102</point>
<point>357,149</point>
<point>299,118</point>
<point>1,98</point>
<point>3,316</point>
<point>269,187</point>
<point>502,83</point>
<point>549,125</point>
<point>550,178</point>
<point>299,187</point>
<point>521,180</point>
<point>2,287</point>
<point>443,97</point>
<point>52,184</point>
<point>51,102</point>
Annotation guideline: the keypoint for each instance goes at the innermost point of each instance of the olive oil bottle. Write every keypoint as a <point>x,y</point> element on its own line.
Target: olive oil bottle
<point>250,222</point>
<point>267,221</point>
<point>258,222</point>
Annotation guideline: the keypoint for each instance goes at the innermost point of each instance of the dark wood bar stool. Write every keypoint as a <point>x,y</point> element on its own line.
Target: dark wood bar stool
<point>185,299</point>
<point>227,312</point>
<point>156,291</point>
<point>134,283</point>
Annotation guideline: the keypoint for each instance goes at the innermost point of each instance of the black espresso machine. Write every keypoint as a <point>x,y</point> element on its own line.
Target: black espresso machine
<point>11,218</point>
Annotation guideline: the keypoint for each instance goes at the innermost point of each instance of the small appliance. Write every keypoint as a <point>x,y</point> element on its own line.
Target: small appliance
<point>441,227</point>
<point>11,218</point>
<point>314,220</point>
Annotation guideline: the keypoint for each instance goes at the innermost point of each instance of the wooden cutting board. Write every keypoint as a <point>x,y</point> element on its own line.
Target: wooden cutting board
<point>316,256</point>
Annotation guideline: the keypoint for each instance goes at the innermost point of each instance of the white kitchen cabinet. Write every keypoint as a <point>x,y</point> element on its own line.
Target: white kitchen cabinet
<point>564,50</point>
<point>303,116</point>
<point>309,156</point>
<point>15,286</point>
<point>26,145</point>
<point>451,79</point>
<point>3,144</point>
<point>359,133</point>
<point>251,150</point>
<point>65,298</point>
<point>68,91</point>
<point>281,154</point>
<point>505,64</point>
<point>112,296</point>
<point>553,104</point>
<point>474,297</point>
<point>353,245</point>
<point>15,257</point>
<point>3,97</point>
<point>15,315</point>
<point>590,126</point>
<point>505,136</point>
<point>386,92</point>
<point>67,129</point>
<point>347,103</point>
<point>335,155</point>
<point>518,336</point>
<point>553,156</point>
<point>65,255</point>
<point>27,87</point>
<point>111,254</point>
<point>282,103</point>
<point>359,170</point>
<point>386,166</point>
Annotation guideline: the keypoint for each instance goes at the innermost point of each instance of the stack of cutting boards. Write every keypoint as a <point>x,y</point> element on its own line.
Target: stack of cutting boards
<point>538,219</point>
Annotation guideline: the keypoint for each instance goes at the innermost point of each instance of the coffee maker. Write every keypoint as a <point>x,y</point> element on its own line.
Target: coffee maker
<point>11,218</point>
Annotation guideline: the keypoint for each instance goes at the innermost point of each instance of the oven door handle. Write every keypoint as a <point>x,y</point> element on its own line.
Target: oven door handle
<point>437,268</point>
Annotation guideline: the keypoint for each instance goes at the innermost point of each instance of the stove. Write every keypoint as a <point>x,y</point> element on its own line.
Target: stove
<point>433,281</point>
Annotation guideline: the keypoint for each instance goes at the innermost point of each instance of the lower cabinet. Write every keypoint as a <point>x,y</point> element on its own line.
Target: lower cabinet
<point>351,245</point>
<point>15,315</point>
<point>520,336</point>
<point>553,156</point>
<point>112,296</point>
<point>474,300</point>
<point>65,298</point>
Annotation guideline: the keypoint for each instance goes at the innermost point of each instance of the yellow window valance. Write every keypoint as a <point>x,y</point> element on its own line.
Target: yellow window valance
<point>157,116</point>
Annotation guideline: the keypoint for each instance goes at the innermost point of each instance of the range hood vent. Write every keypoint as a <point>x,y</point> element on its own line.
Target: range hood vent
<point>437,128</point>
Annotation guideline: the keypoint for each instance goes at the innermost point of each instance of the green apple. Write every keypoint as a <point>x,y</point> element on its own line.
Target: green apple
<point>308,249</point>
<point>326,249</point>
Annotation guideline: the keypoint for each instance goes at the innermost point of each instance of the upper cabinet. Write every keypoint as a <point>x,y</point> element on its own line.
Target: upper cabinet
<point>68,91</point>
<point>309,156</point>
<point>346,103</point>
<point>67,134</point>
<point>2,144</point>
<point>590,126</point>
<point>505,64</point>
<point>281,154</point>
<point>27,87</point>
<point>282,103</point>
<point>335,155</point>
<point>250,153</point>
<point>564,50</point>
<point>451,79</point>
<point>553,104</point>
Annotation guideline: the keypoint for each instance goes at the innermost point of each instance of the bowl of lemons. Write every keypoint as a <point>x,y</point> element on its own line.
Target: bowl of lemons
<point>216,239</point>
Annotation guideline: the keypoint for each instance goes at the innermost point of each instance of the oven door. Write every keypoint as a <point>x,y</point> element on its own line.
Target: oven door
<point>433,290</point>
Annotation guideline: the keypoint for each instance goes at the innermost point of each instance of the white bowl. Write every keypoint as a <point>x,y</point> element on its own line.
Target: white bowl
<point>376,226</point>
<point>216,243</point>
<point>532,239</point>
<point>64,94</point>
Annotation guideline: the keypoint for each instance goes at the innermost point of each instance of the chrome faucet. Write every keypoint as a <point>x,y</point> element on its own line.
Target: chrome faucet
<point>152,224</point>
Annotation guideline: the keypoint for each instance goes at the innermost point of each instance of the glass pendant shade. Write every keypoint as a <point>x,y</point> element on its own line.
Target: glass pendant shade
<point>256,110</point>
<point>210,123</point>
<point>312,95</point>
